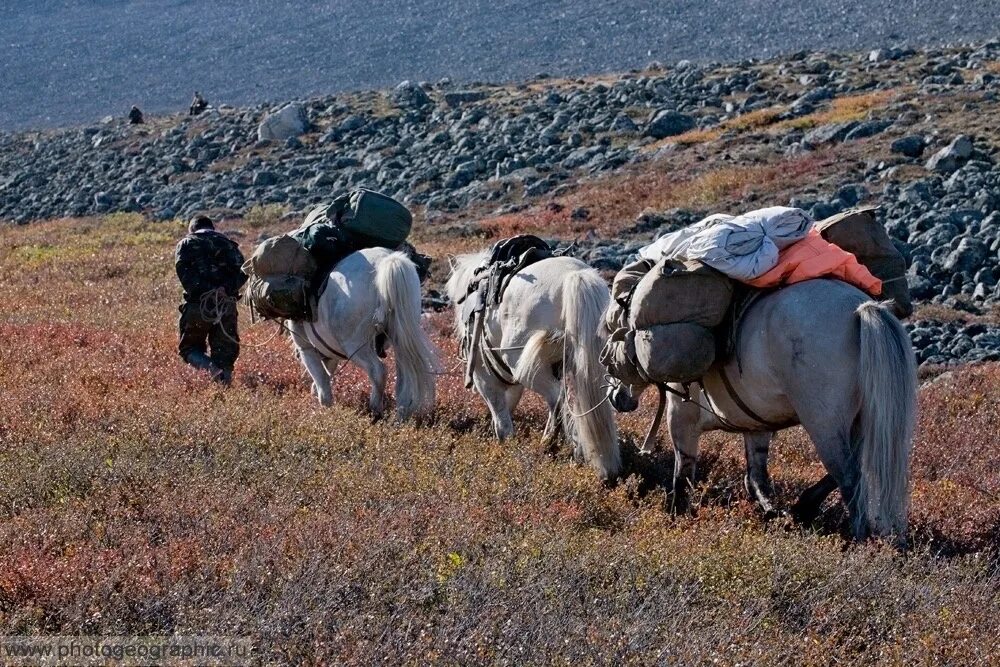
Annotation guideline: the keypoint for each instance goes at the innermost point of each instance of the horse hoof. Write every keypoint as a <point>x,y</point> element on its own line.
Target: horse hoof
<point>803,514</point>
<point>772,514</point>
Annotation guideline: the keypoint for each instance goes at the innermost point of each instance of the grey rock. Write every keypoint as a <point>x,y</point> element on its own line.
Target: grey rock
<point>289,121</point>
<point>952,156</point>
<point>265,178</point>
<point>410,95</point>
<point>828,134</point>
<point>460,97</point>
<point>668,123</point>
<point>910,146</point>
<point>968,257</point>
<point>868,128</point>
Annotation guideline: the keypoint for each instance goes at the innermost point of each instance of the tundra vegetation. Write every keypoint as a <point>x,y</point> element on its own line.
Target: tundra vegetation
<point>139,497</point>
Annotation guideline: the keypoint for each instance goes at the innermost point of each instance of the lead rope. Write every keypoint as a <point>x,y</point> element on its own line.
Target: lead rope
<point>213,307</point>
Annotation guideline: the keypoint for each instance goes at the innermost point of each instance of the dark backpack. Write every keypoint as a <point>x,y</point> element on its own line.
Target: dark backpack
<point>207,260</point>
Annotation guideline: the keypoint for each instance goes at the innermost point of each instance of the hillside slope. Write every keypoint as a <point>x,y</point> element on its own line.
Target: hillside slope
<point>72,62</point>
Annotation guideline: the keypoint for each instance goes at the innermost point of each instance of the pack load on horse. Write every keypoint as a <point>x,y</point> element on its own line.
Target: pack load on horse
<point>530,317</point>
<point>287,272</point>
<point>773,343</point>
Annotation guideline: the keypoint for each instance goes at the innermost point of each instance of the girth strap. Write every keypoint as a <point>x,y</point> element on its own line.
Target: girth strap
<point>333,353</point>
<point>747,410</point>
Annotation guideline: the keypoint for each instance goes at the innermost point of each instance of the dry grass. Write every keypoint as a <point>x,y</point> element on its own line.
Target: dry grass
<point>265,217</point>
<point>615,201</point>
<point>139,498</point>
<point>843,110</point>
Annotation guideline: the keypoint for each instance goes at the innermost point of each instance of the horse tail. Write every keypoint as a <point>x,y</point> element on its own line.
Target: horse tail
<point>585,297</point>
<point>888,383</point>
<point>534,357</point>
<point>398,290</point>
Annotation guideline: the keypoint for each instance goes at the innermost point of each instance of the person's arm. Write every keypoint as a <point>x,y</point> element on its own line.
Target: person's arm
<point>188,270</point>
<point>239,278</point>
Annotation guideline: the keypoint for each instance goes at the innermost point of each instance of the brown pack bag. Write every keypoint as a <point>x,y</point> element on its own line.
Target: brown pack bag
<point>859,232</point>
<point>618,356</point>
<point>281,297</point>
<point>281,255</point>
<point>674,291</point>
<point>621,292</point>
<point>680,352</point>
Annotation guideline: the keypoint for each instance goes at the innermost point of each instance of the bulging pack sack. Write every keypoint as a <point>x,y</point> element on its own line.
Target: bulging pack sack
<point>375,218</point>
<point>282,297</point>
<point>674,291</point>
<point>281,270</point>
<point>858,232</point>
<point>280,255</point>
<point>680,352</point>
<point>618,356</point>
<point>622,289</point>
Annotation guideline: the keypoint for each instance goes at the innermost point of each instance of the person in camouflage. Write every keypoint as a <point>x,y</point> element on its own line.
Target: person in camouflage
<point>208,266</point>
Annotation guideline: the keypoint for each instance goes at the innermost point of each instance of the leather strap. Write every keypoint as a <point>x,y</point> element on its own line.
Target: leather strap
<point>747,410</point>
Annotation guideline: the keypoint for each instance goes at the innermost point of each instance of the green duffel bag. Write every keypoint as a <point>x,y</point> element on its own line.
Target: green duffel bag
<point>371,217</point>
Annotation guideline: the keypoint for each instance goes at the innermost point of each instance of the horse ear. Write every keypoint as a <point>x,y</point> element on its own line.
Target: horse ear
<point>452,261</point>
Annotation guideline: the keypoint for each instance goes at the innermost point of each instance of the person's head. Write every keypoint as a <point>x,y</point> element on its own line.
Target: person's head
<point>200,222</point>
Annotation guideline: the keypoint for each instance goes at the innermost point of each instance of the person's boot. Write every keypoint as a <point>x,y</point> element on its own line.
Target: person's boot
<point>225,376</point>
<point>201,361</point>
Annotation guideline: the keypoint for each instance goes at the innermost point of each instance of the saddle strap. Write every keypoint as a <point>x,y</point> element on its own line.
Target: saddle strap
<point>747,410</point>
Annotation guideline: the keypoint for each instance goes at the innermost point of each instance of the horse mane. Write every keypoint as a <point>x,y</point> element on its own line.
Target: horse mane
<point>462,269</point>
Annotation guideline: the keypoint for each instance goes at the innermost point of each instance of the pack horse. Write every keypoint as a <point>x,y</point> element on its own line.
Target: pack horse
<point>372,298</point>
<point>822,354</point>
<point>544,334</point>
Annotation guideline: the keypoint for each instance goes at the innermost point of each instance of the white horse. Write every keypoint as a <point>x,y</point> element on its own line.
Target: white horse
<point>821,354</point>
<point>545,335</point>
<point>372,296</point>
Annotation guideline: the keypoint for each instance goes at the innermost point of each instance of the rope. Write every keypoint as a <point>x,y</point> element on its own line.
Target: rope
<point>215,305</point>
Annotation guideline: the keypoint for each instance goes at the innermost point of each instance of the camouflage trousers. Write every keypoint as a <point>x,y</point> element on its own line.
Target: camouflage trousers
<point>199,334</point>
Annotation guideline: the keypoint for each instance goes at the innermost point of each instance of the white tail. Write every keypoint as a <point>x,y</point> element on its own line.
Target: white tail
<point>416,360</point>
<point>888,384</point>
<point>585,297</point>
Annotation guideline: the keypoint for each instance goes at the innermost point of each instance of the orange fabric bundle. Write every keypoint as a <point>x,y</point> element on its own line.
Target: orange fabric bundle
<point>814,257</point>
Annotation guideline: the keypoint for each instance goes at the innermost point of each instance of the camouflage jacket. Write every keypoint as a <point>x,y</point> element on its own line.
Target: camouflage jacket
<point>206,260</point>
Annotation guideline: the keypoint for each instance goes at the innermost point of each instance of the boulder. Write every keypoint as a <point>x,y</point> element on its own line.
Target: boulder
<point>668,123</point>
<point>829,134</point>
<point>409,95</point>
<point>460,97</point>
<point>910,146</point>
<point>289,121</point>
<point>952,156</point>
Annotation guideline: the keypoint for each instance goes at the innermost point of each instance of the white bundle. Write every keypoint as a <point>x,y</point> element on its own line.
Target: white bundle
<point>742,247</point>
<point>674,244</point>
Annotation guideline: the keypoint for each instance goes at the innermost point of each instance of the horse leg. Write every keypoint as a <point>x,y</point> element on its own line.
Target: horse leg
<point>316,367</point>
<point>684,423</point>
<point>494,393</point>
<point>757,481</point>
<point>807,507</point>
<point>551,390</point>
<point>833,444</point>
<point>368,360</point>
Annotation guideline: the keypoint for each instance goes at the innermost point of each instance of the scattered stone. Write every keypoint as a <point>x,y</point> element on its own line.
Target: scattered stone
<point>952,156</point>
<point>289,121</point>
<point>910,146</point>
<point>668,123</point>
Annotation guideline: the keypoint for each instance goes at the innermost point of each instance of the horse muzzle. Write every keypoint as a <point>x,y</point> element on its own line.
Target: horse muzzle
<point>622,398</point>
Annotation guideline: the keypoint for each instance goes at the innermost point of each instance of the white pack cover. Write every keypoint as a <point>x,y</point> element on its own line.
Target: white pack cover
<point>674,244</point>
<point>742,247</point>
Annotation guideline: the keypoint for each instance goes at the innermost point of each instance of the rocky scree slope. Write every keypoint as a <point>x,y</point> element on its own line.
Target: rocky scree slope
<point>931,158</point>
